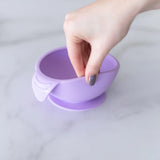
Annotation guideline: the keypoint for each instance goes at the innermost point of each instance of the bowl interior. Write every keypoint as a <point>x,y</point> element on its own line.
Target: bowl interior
<point>57,65</point>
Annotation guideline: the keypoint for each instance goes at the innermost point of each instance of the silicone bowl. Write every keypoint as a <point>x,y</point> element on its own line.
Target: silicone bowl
<point>55,79</point>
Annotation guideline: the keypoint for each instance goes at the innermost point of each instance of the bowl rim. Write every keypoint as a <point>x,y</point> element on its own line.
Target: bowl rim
<point>40,73</point>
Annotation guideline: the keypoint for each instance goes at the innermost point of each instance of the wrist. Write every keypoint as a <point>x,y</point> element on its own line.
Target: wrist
<point>150,5</point>
<point>132,7</point>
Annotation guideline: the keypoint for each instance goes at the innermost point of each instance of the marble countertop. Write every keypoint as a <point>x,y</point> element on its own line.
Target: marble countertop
<point>125,127</point>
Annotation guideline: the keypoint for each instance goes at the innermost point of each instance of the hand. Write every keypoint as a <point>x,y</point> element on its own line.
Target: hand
<point>92,31</point>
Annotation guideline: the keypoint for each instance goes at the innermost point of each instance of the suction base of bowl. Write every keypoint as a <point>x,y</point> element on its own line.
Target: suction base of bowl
<point>77,106</point>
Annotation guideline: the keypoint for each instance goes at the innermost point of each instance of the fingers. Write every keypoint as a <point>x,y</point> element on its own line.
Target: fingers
<point>75,46</point>
<point>75,55</point>
<point>86,54</point>
<point>94,63</point>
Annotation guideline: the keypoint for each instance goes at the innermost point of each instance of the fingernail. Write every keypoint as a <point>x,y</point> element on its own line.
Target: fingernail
<point>92,80</point>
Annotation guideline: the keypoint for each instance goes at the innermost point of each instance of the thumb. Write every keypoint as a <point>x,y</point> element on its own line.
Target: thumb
<point>94,63</point>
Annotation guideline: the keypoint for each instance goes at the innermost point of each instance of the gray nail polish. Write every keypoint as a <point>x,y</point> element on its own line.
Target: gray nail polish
<point>92,80</point>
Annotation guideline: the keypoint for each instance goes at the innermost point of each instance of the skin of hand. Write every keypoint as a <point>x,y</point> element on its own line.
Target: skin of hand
<point>92,31</point>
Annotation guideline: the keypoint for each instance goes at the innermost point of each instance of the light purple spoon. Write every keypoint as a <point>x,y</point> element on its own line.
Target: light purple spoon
<point>55,79</point>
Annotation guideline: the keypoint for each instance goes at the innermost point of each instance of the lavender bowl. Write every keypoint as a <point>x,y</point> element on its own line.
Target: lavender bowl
<point>54,79</point>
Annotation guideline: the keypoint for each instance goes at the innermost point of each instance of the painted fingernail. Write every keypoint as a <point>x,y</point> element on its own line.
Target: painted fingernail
<point>92,80</point>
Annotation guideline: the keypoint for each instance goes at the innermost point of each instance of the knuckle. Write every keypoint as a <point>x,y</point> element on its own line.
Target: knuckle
<point>68,16</point>
<point>69,23</point>
<point>93,68</point>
